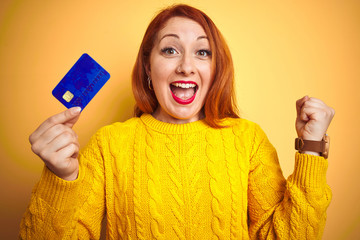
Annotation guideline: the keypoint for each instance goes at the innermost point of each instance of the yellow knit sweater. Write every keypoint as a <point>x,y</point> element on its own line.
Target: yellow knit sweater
<point>155,180</point>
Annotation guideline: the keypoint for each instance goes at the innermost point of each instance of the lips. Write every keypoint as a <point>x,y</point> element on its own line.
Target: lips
<point>183,92</point>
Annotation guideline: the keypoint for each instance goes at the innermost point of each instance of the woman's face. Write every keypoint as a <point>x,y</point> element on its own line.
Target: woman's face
<point>180,70</point>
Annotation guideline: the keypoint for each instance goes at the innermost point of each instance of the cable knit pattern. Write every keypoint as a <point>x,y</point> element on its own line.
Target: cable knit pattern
<point>140,233</point>
<point>235,186</point>
<point>176,189</point>
<point>154,188</point>
<point>194,187</point>
<point>240,134</point>
<point>156,180</point>
<point>216,184</point>
<point>120,183</point>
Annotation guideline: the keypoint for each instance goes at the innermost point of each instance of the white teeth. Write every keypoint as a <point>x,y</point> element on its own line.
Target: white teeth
<point>184,85</point>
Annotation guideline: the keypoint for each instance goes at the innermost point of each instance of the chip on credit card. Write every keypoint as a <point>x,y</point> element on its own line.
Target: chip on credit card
<point>81,83</point>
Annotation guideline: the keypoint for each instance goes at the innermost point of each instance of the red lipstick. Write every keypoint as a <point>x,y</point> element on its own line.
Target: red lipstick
<point>180,100</point>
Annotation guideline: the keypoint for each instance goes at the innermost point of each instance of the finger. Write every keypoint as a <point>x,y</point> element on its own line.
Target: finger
<point>68,117</point>
<point>61,141</point>
<point>41,144</point>
<point>63,161</point>
<point>300,103</point>
<point>72,121</point>
<point>48,153</point>
<point>307,113</point>
<point>69,152</point>
<point>312,99</point>
<point>304,116</point>
<point>54,131</point>
<point>319,114</point>
<point>307,110</point>
<point>308,104</point>
<point>315,104</point>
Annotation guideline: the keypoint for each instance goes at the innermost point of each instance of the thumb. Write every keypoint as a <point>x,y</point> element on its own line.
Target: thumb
<point>72,115</point>
<point>68,117</point>
<point>300,103</point>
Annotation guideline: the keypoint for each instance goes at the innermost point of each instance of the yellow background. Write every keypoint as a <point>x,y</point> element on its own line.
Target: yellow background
<point>282,50</point>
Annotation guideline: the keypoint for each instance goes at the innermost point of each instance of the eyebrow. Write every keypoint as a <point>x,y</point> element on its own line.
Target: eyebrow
<point>176,36</point>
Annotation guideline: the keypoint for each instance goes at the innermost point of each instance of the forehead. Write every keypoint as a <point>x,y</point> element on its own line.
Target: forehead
<point>182,25</point>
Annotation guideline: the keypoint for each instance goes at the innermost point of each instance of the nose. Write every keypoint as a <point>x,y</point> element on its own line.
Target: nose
<point>186,65</point>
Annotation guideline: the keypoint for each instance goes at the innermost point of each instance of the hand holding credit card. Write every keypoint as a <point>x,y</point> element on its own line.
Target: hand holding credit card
<point>81,83</point>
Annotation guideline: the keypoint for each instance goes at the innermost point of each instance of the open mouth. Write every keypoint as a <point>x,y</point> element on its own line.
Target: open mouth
<point>183,92</point>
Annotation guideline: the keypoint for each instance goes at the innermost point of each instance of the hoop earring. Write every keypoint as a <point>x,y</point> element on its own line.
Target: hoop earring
<point>149,83</point>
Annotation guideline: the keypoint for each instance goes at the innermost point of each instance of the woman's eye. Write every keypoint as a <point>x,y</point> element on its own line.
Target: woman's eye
<point>168,51</point>
<point>204,53</point>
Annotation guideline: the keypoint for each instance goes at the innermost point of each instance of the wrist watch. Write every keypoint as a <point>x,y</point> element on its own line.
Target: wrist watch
<point>321,147</point>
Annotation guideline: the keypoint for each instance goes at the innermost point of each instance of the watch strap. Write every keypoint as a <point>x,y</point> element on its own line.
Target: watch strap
<point>321,147</point>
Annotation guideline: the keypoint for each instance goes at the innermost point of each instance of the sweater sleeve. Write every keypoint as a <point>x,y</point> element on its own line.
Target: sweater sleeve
<point>286,209</point>
<point>62,209</point>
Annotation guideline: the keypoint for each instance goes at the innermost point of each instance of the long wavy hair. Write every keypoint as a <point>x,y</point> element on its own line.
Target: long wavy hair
<point>220,102</point>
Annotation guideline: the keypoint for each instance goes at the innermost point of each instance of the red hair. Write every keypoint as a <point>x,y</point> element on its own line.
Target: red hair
<point>220,102</point>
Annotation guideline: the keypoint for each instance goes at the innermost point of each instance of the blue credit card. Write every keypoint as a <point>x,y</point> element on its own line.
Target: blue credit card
<point>81,83</point>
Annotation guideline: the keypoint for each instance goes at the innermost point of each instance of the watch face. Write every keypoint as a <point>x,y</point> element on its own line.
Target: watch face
<point>326,139</point>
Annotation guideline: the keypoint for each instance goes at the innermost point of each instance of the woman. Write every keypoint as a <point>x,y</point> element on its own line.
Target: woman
<point>186,167</point>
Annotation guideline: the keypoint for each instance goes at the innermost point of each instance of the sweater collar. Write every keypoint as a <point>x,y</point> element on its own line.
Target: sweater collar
<point>171,128</point>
